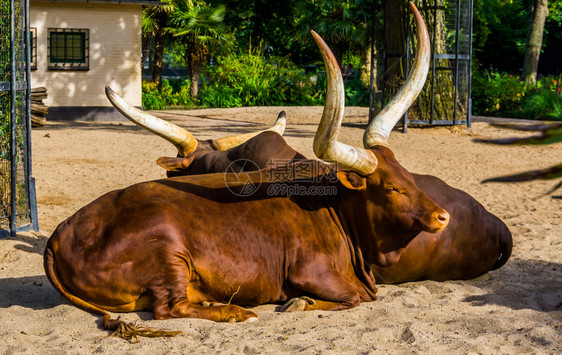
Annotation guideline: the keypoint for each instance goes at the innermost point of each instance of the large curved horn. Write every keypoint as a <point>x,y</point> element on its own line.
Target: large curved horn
<point>233,141</point>
<point>184,141</point>
<point>379,129</point>
<point>326,146</point>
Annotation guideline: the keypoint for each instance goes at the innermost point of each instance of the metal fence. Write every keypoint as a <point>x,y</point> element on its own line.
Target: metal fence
<point>445,99</point>
<point>18,207</point>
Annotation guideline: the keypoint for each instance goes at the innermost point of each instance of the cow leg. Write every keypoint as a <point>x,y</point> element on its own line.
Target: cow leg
<point>184,309</point>
<point>224,313</point>
<point>172,299</point>
<point>334,292</point>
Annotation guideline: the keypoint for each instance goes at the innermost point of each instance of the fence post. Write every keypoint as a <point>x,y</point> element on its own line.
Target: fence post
<point>15,77</point>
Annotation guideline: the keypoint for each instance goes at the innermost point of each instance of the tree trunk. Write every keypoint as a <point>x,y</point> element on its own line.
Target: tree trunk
<point>365,70</point>
<point>534,40</point>
<point>158,61</point>
<point>195,72</point>
<point>147,49</point>
<point>195,56</point>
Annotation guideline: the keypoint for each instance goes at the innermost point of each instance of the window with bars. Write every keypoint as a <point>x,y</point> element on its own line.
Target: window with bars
<point>33,43</point>
<point>68,49</point>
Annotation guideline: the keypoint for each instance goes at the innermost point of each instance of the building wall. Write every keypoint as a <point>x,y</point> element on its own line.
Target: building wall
<point>114,50</point>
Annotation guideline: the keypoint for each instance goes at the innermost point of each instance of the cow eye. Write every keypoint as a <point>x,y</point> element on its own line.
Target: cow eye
<point>390,188</point>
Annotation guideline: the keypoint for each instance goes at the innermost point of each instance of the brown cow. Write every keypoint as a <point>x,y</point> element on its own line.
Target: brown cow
<point>203,156</point>
<point>180,242</point>
<point>258,152</point>
<point>475,242</point>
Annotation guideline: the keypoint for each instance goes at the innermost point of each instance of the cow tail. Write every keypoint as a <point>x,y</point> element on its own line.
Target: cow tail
<point>506,244</point>
<point>128,331</point>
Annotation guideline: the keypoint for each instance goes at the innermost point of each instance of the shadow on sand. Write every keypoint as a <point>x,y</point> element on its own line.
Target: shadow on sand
<point>522,284</point>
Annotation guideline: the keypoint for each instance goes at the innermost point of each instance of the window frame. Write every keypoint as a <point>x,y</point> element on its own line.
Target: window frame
<point>33,44</point>
<point>64,63</point>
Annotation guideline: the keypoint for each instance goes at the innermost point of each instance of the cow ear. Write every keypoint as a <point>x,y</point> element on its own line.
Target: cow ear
<point>174,164</point>
<point>351,180</point>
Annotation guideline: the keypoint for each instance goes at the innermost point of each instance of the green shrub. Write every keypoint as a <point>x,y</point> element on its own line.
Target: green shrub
<point>151,97</point>
<point>250,79</point>
<point>543,104</point>
<point>356,94</point>
<point>497,94</point>
<point>174,93</point>
<point>505,95</point>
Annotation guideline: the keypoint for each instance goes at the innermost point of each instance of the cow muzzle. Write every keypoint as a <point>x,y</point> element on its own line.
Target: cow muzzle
<point>439,220</point>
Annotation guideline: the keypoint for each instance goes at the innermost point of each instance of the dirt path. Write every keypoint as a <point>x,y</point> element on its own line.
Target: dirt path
<point>516,309</point>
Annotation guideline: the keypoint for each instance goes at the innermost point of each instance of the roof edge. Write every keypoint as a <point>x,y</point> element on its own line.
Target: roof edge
<point>124,2</point>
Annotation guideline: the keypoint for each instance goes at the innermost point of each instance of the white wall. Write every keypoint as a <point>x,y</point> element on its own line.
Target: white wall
<point>115,52</point>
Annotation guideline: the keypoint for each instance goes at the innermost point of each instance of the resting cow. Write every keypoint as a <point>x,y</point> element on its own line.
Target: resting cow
<point>178,243</point>
<point>199,157</point>
<point>475,242</point>
<point>212,156</point>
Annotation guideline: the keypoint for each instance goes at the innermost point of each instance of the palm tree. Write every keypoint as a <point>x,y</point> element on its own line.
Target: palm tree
<point>343,24</point>
<point>155,20</point>
<point>201,28</point>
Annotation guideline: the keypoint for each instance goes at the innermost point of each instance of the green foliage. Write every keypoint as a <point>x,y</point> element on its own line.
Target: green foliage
<point>174,55</point>
<point>344,24</point>
<point>272,23</point>
<point>6,76</point>
<point>504,95</point>
<point>496,93</point>
<point>154,18</point>
<point>199,24</point>
<point>249,79</point>
<point>555,14</point>
<point>500,32</point>
<point>356,93</point>
<point>173,94</point>
<point>5,106</point>
<point>12,113</point>
<point>543,104</point>
<point>4,133</point>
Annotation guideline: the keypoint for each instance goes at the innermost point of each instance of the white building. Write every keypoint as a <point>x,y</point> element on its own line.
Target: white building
<point>78,47</point>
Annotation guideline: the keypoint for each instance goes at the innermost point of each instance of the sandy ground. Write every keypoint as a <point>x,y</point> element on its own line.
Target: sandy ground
<point>516,309</point>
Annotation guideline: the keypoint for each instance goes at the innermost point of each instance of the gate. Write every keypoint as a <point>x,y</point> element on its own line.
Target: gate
<point>18,206</point>
<point>445,98</point>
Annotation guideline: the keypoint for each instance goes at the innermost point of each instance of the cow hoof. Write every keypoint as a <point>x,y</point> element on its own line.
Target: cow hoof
<point>239,314</point>
<point>252,318</point>
<point>298,304</point>
<point>249,320</point>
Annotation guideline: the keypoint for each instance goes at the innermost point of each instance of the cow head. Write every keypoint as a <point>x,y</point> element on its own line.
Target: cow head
<point>392,209</point>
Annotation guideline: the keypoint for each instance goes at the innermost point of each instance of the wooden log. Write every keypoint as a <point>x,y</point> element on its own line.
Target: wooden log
<point>39,109</point>
<point>38,121</point>
<point>38,97</point>
<point>39,89</point>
